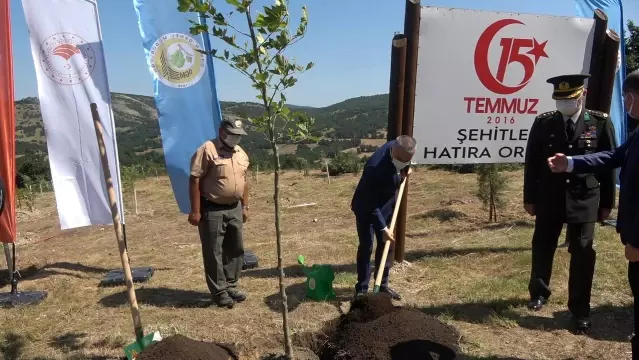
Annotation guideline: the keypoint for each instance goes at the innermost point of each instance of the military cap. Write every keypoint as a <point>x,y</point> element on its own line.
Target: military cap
<point>234,127</point>
<point>568,86</point>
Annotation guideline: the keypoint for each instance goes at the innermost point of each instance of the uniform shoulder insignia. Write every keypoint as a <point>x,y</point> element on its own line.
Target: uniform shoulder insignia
<point>598,113</point>
<point>546,115</point>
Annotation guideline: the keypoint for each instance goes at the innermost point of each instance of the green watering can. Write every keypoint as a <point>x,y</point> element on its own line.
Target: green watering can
<point>319,280</point>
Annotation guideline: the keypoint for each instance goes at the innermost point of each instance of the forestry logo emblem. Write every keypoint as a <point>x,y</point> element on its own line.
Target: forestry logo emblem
<point>524,51</point>
<point>175,60</point>
<point>67,58</point>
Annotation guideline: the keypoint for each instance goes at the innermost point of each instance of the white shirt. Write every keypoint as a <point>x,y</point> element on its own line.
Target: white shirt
<point>574,117</point>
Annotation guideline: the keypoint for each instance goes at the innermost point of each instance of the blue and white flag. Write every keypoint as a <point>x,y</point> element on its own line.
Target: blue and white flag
<point>614,11</point>
<point>184,87</point>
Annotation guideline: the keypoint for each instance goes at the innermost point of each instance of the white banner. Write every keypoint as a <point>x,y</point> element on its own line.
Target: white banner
<point>66,44</point>
<point>481,80</point>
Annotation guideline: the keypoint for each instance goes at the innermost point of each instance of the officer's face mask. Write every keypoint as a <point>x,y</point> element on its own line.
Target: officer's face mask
<point>569,107</point>
<point>231,140</point>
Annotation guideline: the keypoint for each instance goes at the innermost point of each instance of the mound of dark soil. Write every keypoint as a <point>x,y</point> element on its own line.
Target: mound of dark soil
<point>369,308</point>
<point>180,347</point>
<point>374,329</point>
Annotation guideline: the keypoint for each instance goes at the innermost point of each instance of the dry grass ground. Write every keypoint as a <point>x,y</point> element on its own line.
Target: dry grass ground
<point>465,271</point>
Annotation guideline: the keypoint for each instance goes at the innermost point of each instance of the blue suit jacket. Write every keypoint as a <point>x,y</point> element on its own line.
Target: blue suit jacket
<point>374,197</point>
<point>627,157</point>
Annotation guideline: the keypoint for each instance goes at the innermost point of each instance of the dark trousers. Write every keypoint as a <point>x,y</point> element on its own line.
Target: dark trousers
<point>633,279</point>
<point>222,245</point>
<point>582,262</point>
<point>366,234</point>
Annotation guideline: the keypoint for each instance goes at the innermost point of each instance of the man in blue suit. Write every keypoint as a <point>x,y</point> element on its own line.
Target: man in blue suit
<point>373,204</point>
<point>627,157</point>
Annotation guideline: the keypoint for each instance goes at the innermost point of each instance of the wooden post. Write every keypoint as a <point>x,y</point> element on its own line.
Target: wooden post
<point>396,87</point>
<point>328,175</point>
<point>608,71</point>
<point>135,198</point>
<point>117,224</point>
<point>411,30</point>
<point>40,185</point>
<point>257,173</point>
<point>596,59</point>
<point>9,256</point>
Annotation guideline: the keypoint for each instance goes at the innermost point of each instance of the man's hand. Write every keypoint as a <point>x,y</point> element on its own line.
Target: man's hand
<point>194,218</point>
<point>245,214</point>
<point>404,174</point>
<point>388,235</point>
<point>530,209</point>
<point>632,253</point>
<point>604,214</point>
<point>558,163</point>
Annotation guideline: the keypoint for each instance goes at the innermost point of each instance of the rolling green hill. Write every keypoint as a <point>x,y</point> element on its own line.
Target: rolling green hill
<point>341,126</point>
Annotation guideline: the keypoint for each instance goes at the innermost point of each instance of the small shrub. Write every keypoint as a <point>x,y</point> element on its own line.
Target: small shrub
<point>344,163</point>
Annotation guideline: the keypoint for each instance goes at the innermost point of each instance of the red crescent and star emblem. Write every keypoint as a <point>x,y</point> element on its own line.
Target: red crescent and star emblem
<point>513,51</point>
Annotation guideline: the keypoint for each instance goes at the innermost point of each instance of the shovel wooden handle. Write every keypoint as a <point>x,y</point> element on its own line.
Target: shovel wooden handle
<point>117,224</point>
<point>380,271</point>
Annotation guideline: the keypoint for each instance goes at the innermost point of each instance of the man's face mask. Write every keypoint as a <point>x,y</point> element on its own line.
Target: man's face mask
<point>232,140</point>
<point>399,164</point>
<point>570,106</point>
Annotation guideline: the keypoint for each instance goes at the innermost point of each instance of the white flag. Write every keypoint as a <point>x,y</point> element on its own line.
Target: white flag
<point>66,44</point>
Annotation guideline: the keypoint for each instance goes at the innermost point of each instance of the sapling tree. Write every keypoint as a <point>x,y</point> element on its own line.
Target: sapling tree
<point>491,183</point>
<point>260,56</point>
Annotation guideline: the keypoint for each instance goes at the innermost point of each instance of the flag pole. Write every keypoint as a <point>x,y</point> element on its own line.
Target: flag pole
<point>206,39</point>
<point>117,224</point>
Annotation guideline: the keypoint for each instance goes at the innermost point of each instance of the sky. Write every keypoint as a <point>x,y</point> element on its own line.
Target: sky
<point>349,43</point>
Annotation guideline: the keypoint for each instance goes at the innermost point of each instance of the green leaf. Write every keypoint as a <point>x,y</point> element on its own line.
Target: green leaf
<point>201,8</point>
<point>184,5</point>
<point>219,20</point>
<point>261,76</point>
<point>309,66</point>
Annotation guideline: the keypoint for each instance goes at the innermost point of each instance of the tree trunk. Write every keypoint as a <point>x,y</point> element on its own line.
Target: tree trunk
<point>491,201</point>
<point>276,183</point>
<point>278,239</point>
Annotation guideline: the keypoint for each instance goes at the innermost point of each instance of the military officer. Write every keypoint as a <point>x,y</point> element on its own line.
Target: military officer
<point>579,200</point>
<point>219,206</point>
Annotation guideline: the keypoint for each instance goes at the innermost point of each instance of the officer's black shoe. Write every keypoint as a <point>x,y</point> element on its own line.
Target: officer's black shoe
<point>536,303</point>
<point>393,294</point>
<point>224,300</point>
<point>237,295</point>
<point>582,324</point>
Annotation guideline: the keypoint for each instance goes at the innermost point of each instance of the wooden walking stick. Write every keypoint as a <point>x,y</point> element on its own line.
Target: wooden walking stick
<point>117,224</point>
<point>391,228</point>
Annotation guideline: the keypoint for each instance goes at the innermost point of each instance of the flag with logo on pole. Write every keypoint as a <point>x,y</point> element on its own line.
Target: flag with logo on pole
<point>185,92</point>
<point>71,72</point>
<point>75,102</point>
<point>66,45</point>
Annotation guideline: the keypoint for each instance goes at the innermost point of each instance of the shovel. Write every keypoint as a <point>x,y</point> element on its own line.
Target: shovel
<point>391,228</point>
<point>133,350</point>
